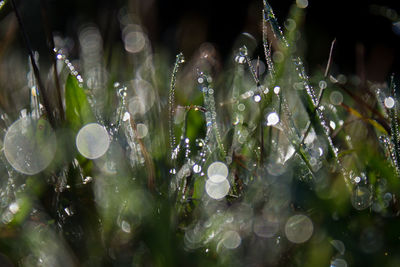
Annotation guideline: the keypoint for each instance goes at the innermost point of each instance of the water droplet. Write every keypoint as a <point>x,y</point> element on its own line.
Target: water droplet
<point>389,102</point>
<point>272,119</point>
<point>257,98</point>
<point>200,80</point>
<point>277,89</point>
<point>92,141</point>
<point>332,124</point>
<point>196,168</point>
<point>361,197</point>
<point>231,239</point>
<point>14,207</point>
<point>30,145</point>
<point>217,190</point>
<point>126,116</point>
<point>299,228</point>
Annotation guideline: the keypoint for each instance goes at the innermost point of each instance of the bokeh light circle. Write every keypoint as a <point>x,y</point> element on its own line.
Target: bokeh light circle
<point>92,141</point>
<point>30,145</point>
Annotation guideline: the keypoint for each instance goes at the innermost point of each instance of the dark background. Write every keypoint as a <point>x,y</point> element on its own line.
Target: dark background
<point>366,41</point>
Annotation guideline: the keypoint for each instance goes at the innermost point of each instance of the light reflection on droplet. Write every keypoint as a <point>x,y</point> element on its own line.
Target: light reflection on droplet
<point>332,124</point>
<point>257,98</point>
<point>196,168</point>
<point>231,239</point>
<point>389,102</point>
<point>141,130</point>
<point>336,98</point>
<point>30,145</point>
<point>217,190</point>
<point>299,228</point>
<point>277,89</point>
<point>126,116</point>
<point>272,119</point>
<point>92,141</point>
<point>14,207</point>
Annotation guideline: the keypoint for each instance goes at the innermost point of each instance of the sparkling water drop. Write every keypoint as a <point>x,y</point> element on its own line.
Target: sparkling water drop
<point>30,145</point>
<point>257,98</point>
<point>92,141</point>
<point>389,102</point>
<point>272,119</point>
<point>196,168</point>
<point>299,228</point>
<point>277,89</point>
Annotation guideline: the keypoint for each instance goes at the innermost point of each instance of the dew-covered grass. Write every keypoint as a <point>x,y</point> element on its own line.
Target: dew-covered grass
<point>128,156</point>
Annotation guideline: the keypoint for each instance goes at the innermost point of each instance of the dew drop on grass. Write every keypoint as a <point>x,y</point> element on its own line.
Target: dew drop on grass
<point>231,239</point>
<point>217,190</point>
<point>336,98</point>
<point>361,197</point>
<point>257,98</point>
<point>126,116</point>
<point>299,228</point>
<point>30,145</point>
<point>196,168</point>
<point>272,119</point>
<point>277,89</point>
<point>92,141</point>
<point>389,102</point>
